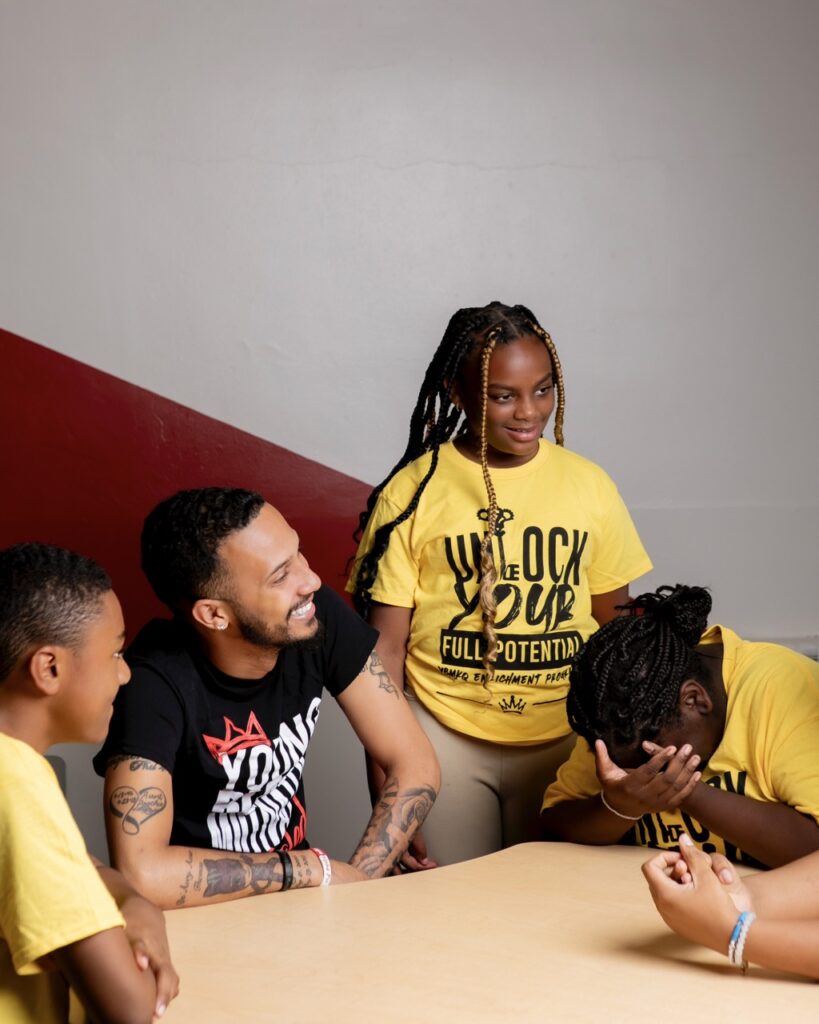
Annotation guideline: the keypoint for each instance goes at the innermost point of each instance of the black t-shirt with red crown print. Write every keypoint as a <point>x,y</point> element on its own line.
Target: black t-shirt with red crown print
<point>235,747</point>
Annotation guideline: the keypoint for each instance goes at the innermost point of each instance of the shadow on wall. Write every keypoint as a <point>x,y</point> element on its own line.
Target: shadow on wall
<point>85,456</point>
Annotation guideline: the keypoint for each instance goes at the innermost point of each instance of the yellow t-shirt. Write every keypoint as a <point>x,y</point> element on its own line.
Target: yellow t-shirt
<point>50,893</point>
<point>563,534</point>
<point>769,750</point>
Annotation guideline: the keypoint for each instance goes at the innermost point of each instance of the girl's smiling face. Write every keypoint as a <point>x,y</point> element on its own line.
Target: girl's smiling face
<point>520,400</point>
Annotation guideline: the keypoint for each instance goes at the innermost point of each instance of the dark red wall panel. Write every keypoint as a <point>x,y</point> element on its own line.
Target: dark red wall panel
<point>84,456</point>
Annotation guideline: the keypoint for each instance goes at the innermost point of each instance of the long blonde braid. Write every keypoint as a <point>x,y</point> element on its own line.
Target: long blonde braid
<point>546,338</point>
<point>489,574</point>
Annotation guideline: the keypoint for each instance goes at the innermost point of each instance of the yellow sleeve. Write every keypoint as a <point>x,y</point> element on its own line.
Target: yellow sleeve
<point>619,556</point>
<point>576,778</point>
<point>397,576</point>
<point>793,773</point>
<point>50,893</point>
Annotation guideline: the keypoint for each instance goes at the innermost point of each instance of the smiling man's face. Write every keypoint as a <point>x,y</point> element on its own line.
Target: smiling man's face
<point>271,586</point>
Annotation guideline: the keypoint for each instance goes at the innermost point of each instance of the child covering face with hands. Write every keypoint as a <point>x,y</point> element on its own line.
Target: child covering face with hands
<point>687,730</point>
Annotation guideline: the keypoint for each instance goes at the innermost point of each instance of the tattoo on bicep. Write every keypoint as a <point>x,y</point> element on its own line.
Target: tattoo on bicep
<point>229,875</point>
<point>136,764</point>
<point>395,817</point>
<point>375,666</point>
<point>139,764</point>
<point>136,807</point>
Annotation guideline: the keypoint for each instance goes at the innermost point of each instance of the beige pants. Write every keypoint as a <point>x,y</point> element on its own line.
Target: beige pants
<point>491,793</point>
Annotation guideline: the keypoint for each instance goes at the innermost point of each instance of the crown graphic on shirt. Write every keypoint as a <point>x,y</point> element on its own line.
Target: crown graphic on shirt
<point>505,515</point>
<point>236,739</point>
<point>512,704</point>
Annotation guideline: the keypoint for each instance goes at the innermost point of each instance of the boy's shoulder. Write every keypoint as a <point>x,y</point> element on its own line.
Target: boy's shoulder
<point>21,764</point>
<point>31,793</point>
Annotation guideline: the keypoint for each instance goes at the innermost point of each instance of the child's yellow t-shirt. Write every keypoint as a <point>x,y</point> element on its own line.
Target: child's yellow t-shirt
<point>563,535</point>
<point>50,893</point>
<point>769,750</point>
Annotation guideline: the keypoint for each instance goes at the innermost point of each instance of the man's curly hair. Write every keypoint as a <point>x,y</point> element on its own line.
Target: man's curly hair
<point>181,538</point>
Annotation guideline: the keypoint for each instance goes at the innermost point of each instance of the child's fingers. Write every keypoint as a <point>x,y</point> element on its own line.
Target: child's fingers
<point>657,871</point>
<point>658,763</point>
<point>606,768</point>
<point>143,961</point>
<point>699,863</point>
<point>722,868</point>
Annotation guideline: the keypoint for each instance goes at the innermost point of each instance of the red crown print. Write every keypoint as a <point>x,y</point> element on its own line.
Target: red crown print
<point>236,738</point>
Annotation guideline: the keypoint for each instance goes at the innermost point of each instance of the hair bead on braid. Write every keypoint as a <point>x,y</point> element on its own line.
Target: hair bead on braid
<point>626,680</point>
<point>436,418</point>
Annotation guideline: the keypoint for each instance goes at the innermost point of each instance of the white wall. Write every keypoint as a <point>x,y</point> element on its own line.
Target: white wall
<point>268,210</point>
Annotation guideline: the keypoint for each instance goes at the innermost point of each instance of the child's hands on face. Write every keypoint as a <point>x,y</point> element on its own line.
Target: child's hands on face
<point>661,784</point>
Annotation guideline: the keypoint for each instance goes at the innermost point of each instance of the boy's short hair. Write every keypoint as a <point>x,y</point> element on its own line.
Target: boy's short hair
<point>47,596</point>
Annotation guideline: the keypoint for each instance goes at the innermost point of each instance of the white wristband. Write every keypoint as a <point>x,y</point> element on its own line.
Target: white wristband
<point>736,946</point>
<point>625,817</point>
<point>326,866</point>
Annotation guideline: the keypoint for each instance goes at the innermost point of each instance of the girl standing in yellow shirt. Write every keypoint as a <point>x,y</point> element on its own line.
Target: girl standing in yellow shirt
<point>488,556</point>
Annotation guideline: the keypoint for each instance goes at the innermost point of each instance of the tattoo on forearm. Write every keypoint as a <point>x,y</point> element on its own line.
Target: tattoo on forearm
<point>395,818</point>
<point>229,875</point>
<point>375,666</point>
<point>136,807</point>
<point>302,871</point>
<point>188,879</point>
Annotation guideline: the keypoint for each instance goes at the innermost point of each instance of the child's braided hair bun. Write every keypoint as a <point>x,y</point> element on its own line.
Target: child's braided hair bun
<point>683,609</point>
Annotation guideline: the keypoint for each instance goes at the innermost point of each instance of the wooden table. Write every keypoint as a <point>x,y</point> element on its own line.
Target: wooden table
<point>541,932</point>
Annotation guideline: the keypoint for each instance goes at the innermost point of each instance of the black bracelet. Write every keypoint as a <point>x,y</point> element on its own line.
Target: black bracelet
<point>287,870</point>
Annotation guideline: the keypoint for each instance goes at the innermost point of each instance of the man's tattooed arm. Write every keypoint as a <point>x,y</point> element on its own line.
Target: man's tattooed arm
<point>396,817</point>
<point>402,767</point>
<point>245,875</point>
<point>139,821</point>
<point>375,666</point>
<point>135,764</point>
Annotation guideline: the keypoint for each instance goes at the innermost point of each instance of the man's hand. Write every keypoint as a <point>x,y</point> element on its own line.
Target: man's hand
<point>343,873</point>
<point>661,784</point>
<point>416,857</point>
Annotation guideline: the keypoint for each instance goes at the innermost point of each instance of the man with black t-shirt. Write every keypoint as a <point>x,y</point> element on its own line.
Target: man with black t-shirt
<point>203,762</point>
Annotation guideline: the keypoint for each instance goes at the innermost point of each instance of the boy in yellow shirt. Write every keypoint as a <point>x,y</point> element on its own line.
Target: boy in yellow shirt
<point>63,921</point>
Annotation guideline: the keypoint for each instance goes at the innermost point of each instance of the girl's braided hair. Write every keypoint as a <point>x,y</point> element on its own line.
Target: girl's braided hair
<point>436,418</point>
<point>626,680</point>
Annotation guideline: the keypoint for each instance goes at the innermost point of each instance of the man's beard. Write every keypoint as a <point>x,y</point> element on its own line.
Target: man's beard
<point>273,638</point>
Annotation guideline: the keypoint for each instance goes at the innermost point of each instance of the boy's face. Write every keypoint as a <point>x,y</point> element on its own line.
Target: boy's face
<point>94,674</point>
